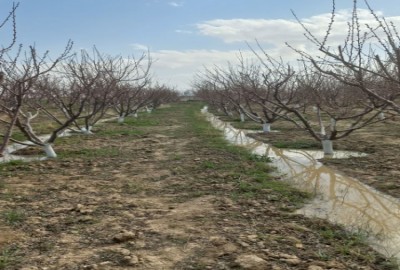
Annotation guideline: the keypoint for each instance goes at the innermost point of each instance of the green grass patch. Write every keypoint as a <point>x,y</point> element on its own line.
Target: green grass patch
<point>132,188</point>
<point>91,153</point>
<point>7,258</point>
<point>14,217</point>
<point>252,171</point>
<point>142,121</point>
<point>297,144</point>
<point>209,165</point>
<point>119,132</point>
<point>14,165</point>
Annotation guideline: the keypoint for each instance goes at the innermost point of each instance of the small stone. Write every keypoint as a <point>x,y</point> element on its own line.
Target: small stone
<point>86,219</point>
<point>106,263</point>
<point>261,245</point>
<point>289,259</point>
<point>315,267</point>
<point>243,244</point>
<point>251,261</point>
<point>124,251</point>
<point>252,237</point>
<point>292,261</point>
<point>229,248</point>
<point>124,237</point>
<point>217,240</point>
<point>134,260</point>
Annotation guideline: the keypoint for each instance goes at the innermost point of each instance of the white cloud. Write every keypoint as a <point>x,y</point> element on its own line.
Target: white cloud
<point>139,47</point>
<point>183,31</point>
<point>278,31</point>
<point>179,67</point>
<point>175,4</point>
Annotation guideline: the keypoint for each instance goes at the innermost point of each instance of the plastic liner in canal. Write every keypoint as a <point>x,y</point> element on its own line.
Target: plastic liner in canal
<point>338,198</point>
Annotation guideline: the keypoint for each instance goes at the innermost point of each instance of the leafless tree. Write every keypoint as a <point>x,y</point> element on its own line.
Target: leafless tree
<point>368,58</point>
<point>130,96</point>
<point>11,18</point>
<point>22,71</point>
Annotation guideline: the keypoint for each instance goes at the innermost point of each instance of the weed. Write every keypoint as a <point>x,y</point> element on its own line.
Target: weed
<point>322,255</point>
<point>7,258</point>
<point>177,157</point>
<point>14,217</point>
<point>118,132</point>
<point>14,165</point>
<point>297,144</point>
<point>143,121</point>
<point>208,165</point>
<point>91,153</point>
<point>132,188</point>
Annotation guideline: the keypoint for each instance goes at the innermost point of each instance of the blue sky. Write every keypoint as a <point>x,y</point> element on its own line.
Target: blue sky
<point>182,35</point>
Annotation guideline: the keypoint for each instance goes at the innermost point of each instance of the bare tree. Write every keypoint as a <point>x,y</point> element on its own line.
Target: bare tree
<point>370,52</point>
<point>5,97</point>
<point>130,95</point>
<point>22,71</point>
<point>11,18</point>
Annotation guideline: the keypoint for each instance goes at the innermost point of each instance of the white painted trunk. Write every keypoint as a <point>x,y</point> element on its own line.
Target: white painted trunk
<point>135,115</point>
<point>48,149</point>
<point>121,119</point>
<point>327,146</point>
<point>266,127</point>
<point>87,131</point>
<point>333,124</point>
<point>314,108</point>
<point>323,132</point>
<point>205,109</point>
<point>242,118</point>
<point>381,116</point>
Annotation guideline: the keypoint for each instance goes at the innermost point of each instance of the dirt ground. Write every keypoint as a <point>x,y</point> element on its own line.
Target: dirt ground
<point>379,169</point>
<point>155,195</point>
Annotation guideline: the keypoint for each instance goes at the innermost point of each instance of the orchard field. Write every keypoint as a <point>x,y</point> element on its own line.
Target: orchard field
<point>104,167</point>
<point>163,191</point>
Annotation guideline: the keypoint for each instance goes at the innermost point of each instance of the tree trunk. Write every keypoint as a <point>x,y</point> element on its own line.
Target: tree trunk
<point>87,131</point>
<point>323,132</point>
<point>121,119</point>
<point>48,149</point>
<point>266,127</point>
<point>242,118</point>
<point>327,146</point>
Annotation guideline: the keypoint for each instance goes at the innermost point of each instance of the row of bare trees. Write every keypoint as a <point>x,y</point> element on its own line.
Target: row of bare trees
<point>73,91</point>
<point>330,94</point>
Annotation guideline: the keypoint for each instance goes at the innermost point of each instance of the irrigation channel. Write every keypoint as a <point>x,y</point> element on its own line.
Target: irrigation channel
<point>338,198</point>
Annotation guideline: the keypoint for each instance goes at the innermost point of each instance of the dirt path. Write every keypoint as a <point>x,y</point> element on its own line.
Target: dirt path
<point>162,192</point>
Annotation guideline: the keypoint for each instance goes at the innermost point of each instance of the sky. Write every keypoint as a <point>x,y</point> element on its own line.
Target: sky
<point>183,36</point>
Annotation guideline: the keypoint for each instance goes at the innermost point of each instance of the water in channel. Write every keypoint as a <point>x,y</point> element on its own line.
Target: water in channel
<point>339,199</point>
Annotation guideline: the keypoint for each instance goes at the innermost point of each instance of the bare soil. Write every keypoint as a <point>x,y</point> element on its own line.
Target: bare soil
<point>155,195</point>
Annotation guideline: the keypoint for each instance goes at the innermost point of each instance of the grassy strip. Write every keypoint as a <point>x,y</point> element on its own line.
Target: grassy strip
<point>251,172</point>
